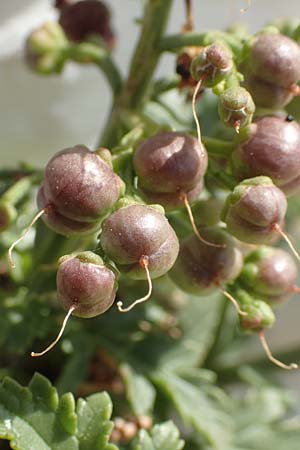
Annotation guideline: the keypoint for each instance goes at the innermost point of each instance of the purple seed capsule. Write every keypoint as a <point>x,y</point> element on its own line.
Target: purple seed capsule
<point>170,162</point>
<point>273,150</point>
<point>270,273</point>
<point>85,282</point>
<point>255,211</point>
<point>200,268</point>
<point>61,224</point>
<point>275,58</point>
<point>81,185</point>
<point>83,19</point>
<point>137,231</point>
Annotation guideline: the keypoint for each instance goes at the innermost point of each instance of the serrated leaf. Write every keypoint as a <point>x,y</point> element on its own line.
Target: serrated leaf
<point>140,392</point>
<point>162,437</point>
<point>35,418</point>
<point>94,426</point>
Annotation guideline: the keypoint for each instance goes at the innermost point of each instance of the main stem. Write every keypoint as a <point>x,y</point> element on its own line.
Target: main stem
<point>142,67</point>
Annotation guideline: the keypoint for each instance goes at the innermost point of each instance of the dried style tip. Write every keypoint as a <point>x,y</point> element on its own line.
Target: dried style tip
<point>144,262</point>
<point>23,235</point>
<point>275,361</point>
<point>279,230</point>
<point>184,198</point>
<point>33,354</point>
<point>234,302</point>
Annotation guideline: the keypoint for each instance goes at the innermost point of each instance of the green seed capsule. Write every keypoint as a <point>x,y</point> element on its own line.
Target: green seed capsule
<point>236,107</point>
<point>213,64</point>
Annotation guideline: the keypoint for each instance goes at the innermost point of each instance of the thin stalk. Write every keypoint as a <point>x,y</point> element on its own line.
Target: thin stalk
<point>92,53</point>
<point>175,42</point>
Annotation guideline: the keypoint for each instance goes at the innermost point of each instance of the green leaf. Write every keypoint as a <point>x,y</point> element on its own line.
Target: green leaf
<point>35,418</point>
<point>140,392</point>
<point>198,410</point>
<point>162,437</point>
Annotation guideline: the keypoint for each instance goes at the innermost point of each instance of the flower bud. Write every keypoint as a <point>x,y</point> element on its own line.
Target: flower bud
<point>83,19</point>
<point>45,49</point>
<point>273,150</point>
<point>213,64</point>
<point>200,268</point>
<point>85,282</point>
<point>236,107</point>
<point>254,209</point>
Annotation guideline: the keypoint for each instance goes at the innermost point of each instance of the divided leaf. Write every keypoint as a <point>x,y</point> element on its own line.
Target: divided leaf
<point>35,418</point>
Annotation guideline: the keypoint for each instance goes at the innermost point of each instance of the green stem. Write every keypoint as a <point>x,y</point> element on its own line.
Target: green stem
<point>175,42</point>
<point>91,53</point>
<point>142,67</point>
<point>220,175</point>
<point>218,147</point>
<point>19,189</point>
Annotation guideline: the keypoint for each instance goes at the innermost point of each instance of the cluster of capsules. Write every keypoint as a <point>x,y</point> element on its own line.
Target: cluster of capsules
<point>229,250</point>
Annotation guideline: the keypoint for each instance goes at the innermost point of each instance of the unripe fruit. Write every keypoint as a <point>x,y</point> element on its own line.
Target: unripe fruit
<point>200,268</point>
<point>259,316</point>
<point>83,19</point>
<point>137,231</point>
<point>85,282</point>
<point>81,185</point>
<point>170,162</point>
<point>213,64</point>
<point>269,272</point>
<point>236,107</point>
<point>61,224</point>
<point>275,58</point>
<point>259,313</point>
<point>254,211</point>
<point>273,150</point>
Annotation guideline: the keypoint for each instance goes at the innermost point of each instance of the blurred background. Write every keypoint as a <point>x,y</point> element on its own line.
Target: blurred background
<point>40,115</point>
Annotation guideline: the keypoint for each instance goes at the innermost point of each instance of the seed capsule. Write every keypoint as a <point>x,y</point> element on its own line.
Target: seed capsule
<point>81,185</point>
<point>273,150</point>
<point>254,211</point>
<point>200,268</point>
<point>137,231</point>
